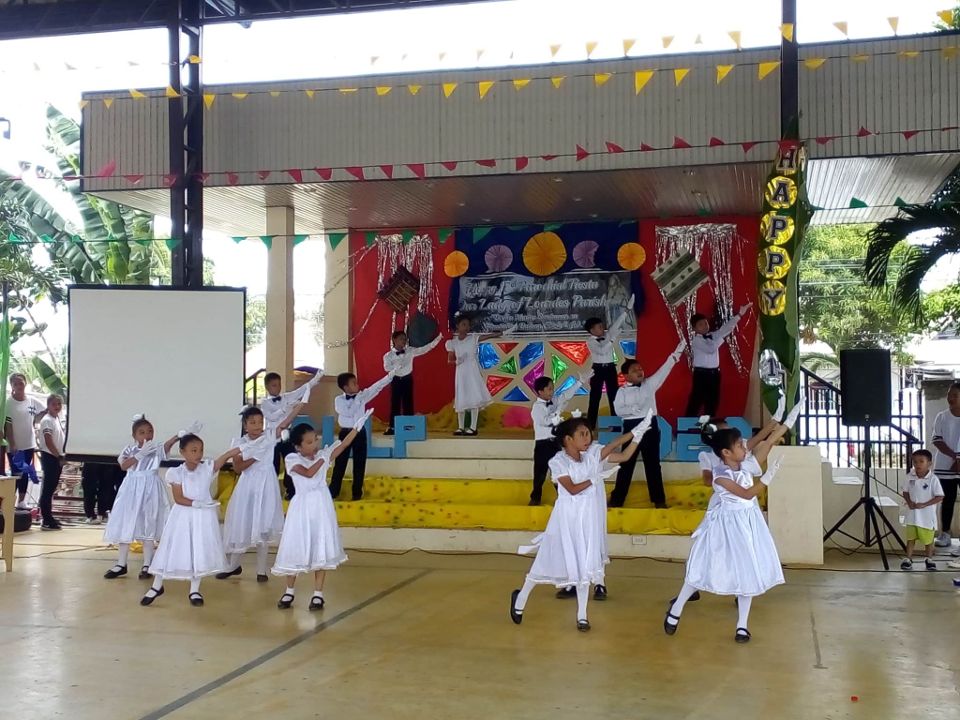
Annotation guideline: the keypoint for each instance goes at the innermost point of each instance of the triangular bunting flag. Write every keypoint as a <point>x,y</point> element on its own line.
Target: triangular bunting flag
<point>646,148</point>
<point>107,170</point>
<point>448,88</point>
<point>950,52</point>
<point>406,236</point>
<point>369,238</point>
<point>909,54</point>
<point>907,134</point>
<point>628,45</point>
<point>347,90</point>
<point>232,178</point>
<point>450,165</point>
<point>208,99</point>
<point>591,46</point>
<point>552,227</point>
<point>548,158</point>
<point>194,60</point>
<point>666,40</point>
<point>824,139</point>
<point>267,241</point>
<point>135,179</point>
<point>296,174</point>
<point>679,143</point>
<point>554,49</point>
<point>356,171</point>
<point>443,234</point>
<point>240,95</point>
<point>787,144</point>
<point>841,26</point>
<point>335,239</point>
<point>170,92</point>
<point>297,239</point>
<point>715,142</point>
<point>137,95</point>
<point>900,202</point>
<point>203,177</point>
<point>169,179</point>
<point>383,90</point>
<point>418,169</point>
<point>786,31</point>
<point>441,56</point>
<point>946,16</point>
<point>171,243</point>
<point>722,72</point>
<point>857,203</point>
<point>679,74</point>
<point>613,147</point>
<point>310,93</point>
<point>520,163</point>
<point>414,89</point>
<point>814,63</point>
<point>748,146</point>
<point>373,59</point>
<point>863,132</point>
<point>483,87</point>
<point>263,174</point>
<point>83,104</point>
<point>488,163</point>
<point>600,79</point>
<point>582,153</point>
<point>735,36</point>
<point>274,93</point>
<point>108,103</point>
<point>387,170</point>
<point>860,57</point>
<point>894,23</point>
<point>558,81</point>
<point>765,68</point>
<point>479,233</point>
<point>520,83</point>
<point>480,52</point>
<point>640,80</point>
<point>324,173</point>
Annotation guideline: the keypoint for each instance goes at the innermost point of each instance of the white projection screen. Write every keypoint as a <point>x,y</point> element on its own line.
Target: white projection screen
<point>174,355</point>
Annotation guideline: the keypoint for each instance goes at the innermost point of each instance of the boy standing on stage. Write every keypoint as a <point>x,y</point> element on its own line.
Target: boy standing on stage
<point>351,407</point>
<point>546,407</point>
<point>705,345</point>
<point>602,343</point>
<point>399,361</point>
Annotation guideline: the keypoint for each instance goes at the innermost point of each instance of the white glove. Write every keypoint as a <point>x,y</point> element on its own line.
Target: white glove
<point>631,301</point>
<point>609,472</point>
<point>305,397</point>
<point>771,472</point>
<point>331,447</point>
<point>586,377</point>
<point>362,422</point>
<point>315,379</point>
<point>680,347</point>
<point>743,310</point>
<point>791,418</point>
<point>195,427</point>
<point>393,373</point>
<point>510,330</point>
<point>148,448</point>
<point>640,430</point>
<point>285,435</point>
<point>781,407</point>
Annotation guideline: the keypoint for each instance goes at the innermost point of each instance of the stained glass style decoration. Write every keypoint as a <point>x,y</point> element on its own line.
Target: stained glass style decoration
<point>629,348</point>
<point>487,355</point>
<point>496,383</point>
<point>505,348</point>
<point>510,366</point>
<point>558,366</point>
<point>582,391</point>
<point>567,384</point>
<point>575,350</point>
<point>516,395</point>
<point>536,372</point>
<point>531,353</point>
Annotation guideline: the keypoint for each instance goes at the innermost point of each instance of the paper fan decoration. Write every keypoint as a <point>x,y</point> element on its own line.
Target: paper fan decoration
<point>498,258</point>
<point>456,264</point>
<point>544,254</point>
<point>631,256</point>
<point>584,254</point>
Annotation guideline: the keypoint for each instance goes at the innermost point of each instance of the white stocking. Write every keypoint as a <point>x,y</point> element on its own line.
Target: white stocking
<point>677,608</point>
<point>148,550</point>
<point>743,609</point>
<point>124,555</point>
<point>521,603</point>
<point>262,558</point>
<point>194,585</point>
<point>474,418</point>
<point>460,420</point>
<point>583,594</point>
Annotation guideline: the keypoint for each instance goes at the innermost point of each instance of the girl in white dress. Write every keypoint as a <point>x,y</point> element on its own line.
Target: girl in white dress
<point>733,552</point>
<point>191,547</point>
<point>572,551</point>
<point>255,512</point>
<point>142,502</point>
<point>311,536</point>
<point>470,390</point>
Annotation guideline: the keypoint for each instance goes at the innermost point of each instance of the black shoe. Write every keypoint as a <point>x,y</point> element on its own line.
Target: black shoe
<point>600,592</point>
<point>472,433</point>
<point>459,432</point>
<point>286,600</point>
<point>196,599</point>
<point>230,573</point>
<point>669,628</point>
<point>583,625</point>
<point>288,497</point>
<point>517,617</point>
<point>742,636</point>
<point>115,572</point>
<point>534,503</point>
<point>316,603</point>
<point>54,525</point>
<point>148,598</point>
<point>388,431</point>
<point>145,573</point>
<point>692,598</point>
<point>356,498</point>
<point>660,506</point>
<point>262,578</point>
<point>566,593</point>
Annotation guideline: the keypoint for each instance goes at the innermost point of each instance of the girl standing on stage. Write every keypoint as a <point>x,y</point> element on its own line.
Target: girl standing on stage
<point>142,503</point>
<point>733,552</point>
<point>255,512</point>
<point>191,547</point>
<point>572,551</point>
<point>311,536</point>
<point>470,391</point>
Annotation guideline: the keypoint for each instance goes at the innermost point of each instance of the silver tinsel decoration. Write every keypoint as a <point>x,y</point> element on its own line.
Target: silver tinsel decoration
<point>717,242</point>
<point>417,257</point>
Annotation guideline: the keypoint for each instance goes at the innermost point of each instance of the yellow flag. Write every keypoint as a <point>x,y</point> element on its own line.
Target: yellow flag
<point>591,46</point>
<point>240,95</point>
<point>909,54</point>
<point>814,63</point>
<point>137,95</point>
<point>520,83</point>
<point>722,72</point>
<point>483,87</point>
<point>84,103</point>
<point>347,90</point>
<point>558,81</point>
<point>894,23</point>
<point>765,68</point>
<point>108,102</point>
<point>274,93</point>
<point>383,90</point>
<point>679,74</point>
<point>310,93</point>
<point>946,16</point>
<point>171,93</point>
<point>841,26</point>
<point>208,99</point>
<point>414,89</point>
<point>735,36</point>
<point>628,45</point>
<point>448,89</point>
<point>600,79</point>
<point>860,57</point>
<point>194,59</point>
<point>666,39</point>
<point>554,49</point>
<point>950,52</point>
<point>787,31</point>
<point>640,79</point>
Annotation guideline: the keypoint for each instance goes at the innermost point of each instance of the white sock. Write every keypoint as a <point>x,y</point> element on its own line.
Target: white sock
<point>234,560</point>
<point>148,550</point>
<point>474,418</point>
<point>743,608</point>
<point>460,420</point>
<point>583,595</point>
<point>677,608</point>
<point>291,590</point>
<point>521,603</point>
<point>318,593</point>
<point>194,585</point>
<point>262,558</point>
<point>124,555</point>
<point>157,583</point>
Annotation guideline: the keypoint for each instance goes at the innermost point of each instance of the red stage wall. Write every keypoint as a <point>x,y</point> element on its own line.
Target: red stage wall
<point>656,335</point>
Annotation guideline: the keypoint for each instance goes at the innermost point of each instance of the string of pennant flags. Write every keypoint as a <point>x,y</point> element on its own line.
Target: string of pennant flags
<point>641,79</point>
<point>418,170</point>
<point>443,233</point>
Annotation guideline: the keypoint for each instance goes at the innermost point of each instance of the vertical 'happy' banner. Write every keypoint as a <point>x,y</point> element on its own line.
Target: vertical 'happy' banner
<point>786,213</point>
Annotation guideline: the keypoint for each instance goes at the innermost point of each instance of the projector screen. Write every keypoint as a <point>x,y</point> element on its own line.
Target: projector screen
<point>174,355</point>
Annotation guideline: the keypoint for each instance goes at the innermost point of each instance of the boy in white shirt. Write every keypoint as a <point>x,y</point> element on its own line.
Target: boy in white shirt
<point>705,346</point>
<point>922,493</point>
<point>276,407</point>
<point>399,360</point>
<point>20,434</point>
<point>545,407</point>
<point>946,463</point>
<point>350,407</point>
<point>602,344</point>
<point>51,460</point>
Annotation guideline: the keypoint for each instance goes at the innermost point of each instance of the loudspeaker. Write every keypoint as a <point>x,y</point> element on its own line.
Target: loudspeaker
<point>865,380</point>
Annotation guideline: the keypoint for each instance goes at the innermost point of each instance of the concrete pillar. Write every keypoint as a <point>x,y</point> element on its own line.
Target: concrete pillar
<point>280,221</point>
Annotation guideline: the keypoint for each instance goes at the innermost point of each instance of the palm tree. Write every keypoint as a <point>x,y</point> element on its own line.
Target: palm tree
<point>942,215</point>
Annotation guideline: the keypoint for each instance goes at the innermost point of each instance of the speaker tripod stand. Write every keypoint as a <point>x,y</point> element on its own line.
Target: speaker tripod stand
<point>871,512</point>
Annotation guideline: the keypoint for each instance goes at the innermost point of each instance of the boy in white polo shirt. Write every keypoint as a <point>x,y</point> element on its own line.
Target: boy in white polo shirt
<point>922,493</point>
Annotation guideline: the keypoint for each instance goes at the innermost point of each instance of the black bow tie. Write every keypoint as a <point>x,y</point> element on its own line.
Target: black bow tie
<point>276,399</point>
<point>600,339</point>
<point>708,336</point>
<point>401,352</point>
<point>350,397</point>
<point>549,403</point>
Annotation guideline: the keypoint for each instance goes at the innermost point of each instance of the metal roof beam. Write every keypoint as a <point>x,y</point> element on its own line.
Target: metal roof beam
<point>77,17</point>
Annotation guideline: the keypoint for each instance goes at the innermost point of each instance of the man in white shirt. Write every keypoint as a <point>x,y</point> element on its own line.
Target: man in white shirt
<point>635,399</point>
<point>705,346</point>
<point>51,460</point>
<point>946,463</point>
<point>399,360</point>
<point>350,407</point>
<point>545,408</point>
<point>18,430</point>
<point>602,344</point>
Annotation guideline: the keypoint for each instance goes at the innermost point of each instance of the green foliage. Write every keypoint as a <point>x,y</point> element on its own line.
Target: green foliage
<point>48,376</point>
<point>256,321</point>
<point>943,308</point>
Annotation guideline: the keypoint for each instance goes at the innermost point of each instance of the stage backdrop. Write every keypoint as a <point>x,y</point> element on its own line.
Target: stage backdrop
<point>548,279</point>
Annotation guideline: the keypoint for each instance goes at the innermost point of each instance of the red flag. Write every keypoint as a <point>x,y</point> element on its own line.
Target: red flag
<point>486,163</point>
<point>135,179</point>
<point>296,174</point>
<point>232,178</point>
<point>646,148</point>
<point>324,173</point>
<point>263,174</point>
<point>863,132</point>
<point>907,134</point>
<point>548,158</point>
<point>748,146</point>
<point>716,142</point>
<point>613,147</point>
<point>450,165</point>
<point>107,170</point>
<point>418,169</point>
<point>582,154</point>
<point>787,144</point>
<point>521,163</point>
<point>357,172</point>
<point>387,170</point>
<point>679,143</point>
<point>203,177</point>
<point>824,139</point>
<point>169,179</point>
